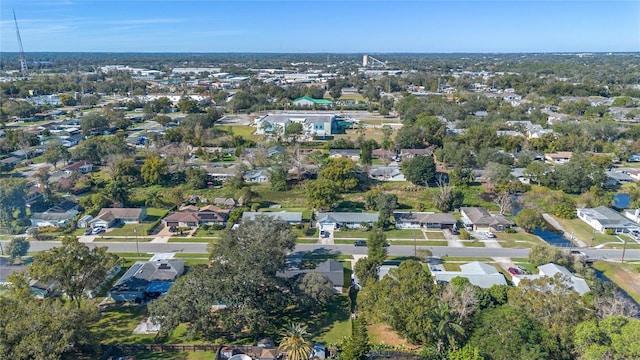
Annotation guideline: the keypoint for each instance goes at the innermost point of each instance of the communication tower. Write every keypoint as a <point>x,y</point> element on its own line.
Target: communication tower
<point>23,60</point>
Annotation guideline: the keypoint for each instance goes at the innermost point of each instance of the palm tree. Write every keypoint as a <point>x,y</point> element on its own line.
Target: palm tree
<point>447,331</point>
<point>294,343</point>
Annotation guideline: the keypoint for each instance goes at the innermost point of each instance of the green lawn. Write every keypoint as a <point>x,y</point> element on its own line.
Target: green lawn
<point>404,234</point>
<point>584,232</point>
<point>190,239</point>
<point>473,244</point>
<point>306,241</point>
<point>117,324</point>
<point>418,243</point>
<point>630,245</point>
<point>435,235</point>
<point>451,266</point>
<point>625,276</point>
<point>352,234</point>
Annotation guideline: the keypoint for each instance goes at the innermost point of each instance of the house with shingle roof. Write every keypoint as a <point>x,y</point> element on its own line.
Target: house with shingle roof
<point>292,218</point>
<point>331,269</point>
<point>329,221</point>
<point>478,273</point>
<point>576,284</point>
<point>428,220</point>
<point>479,219</point>
<point>147,280</point>
<point>109,217</point>
<point>602,218</point>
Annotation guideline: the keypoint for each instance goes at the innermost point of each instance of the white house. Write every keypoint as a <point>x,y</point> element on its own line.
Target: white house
<point>416,220</point>
<point>603,218</point>
<point>478,273</point>
<point>329,221</point>
<point>550,270</point>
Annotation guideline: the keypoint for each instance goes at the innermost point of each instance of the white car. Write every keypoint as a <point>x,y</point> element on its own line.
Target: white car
<point>489,235</point>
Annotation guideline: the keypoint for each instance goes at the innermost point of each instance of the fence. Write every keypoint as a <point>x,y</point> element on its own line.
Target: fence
<point>130,349</point>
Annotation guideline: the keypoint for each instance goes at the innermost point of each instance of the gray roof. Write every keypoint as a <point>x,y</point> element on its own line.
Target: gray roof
<point>424,217</point>
<point>480,216</point>
<point>385,171</point>
<point>347,152</point>
<point>281,215</point>
<point>54,216</point>
<point>608,217</point>
<point>332,269</point>
<point>347,217</point>
<point>579,285</point>
<point>478,273</point>
<point>305,118</point>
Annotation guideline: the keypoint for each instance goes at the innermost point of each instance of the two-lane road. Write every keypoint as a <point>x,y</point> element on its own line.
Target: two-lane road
<point>394,250</point>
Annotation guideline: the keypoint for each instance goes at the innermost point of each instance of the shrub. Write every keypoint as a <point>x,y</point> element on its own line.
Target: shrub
<point>464,235</point>
<point>510,231</point>
<point>609,232</point>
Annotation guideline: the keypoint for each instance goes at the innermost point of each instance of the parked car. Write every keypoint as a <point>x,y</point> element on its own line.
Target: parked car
<point>513,271</point>
<point>454,231</point>
<point>172,229</point>
<point>88,231</point>
<point>490,235</point>
<point>97,230</point>
<point>434,268</point>
<point>360,243</point>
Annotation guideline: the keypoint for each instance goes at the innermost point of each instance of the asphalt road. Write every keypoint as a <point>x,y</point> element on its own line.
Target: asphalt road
<point>394,250</point>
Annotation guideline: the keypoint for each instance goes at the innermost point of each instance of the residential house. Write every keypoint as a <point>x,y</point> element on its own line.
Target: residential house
<point>192,216</point>
<point>33,194</point>
<point>222,174</point>
<point>520,174</point>
<point>602,218</point>
<point>331,269</point>
<point>330,221</point>
<point>353,154</point>
<point>43,290</point>
<point>82,167</point>
<point>72,140</point>
<point>633,215</point>
<point>58,215</point>
<point>428,220</point>
<point>256,176</point>
<point>386,173</point>
<point>9,163</point>
<point>559,158</point>
<point>635,157</point>
<point>383,270</point>
<point>478,273</point>
<point>479,219</point>
<point>147,280</point>
<point>383,154</point>
<point>109,217</point>
<point>412,153</point>
<point>577,284</point>
<point>291,218</point>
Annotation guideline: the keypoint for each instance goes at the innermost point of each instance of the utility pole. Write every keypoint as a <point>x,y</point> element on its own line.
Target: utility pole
<point>415,247</point>
<point>135,231</point>
<point>624,249</point>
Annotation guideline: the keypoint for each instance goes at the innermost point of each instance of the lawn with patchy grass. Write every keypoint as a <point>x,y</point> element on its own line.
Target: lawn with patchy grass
<point>117,324</point>
<point>435,235</point>
<point>626,276</point>
<point>584,232</point>
<point>473,244</point>
<point>381,333</point>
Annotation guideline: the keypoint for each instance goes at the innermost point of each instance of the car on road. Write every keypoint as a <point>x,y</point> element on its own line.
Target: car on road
<point>360,243</point>
<point>513,271</point>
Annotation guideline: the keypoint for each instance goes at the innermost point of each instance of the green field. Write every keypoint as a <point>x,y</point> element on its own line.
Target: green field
<point>584,232</point>
<point>625,276</point>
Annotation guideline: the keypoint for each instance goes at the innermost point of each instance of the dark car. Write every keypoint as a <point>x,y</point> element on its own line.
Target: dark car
<point>172,229</point>
<point>360,243</point>
<point>513,271</point>
<point>454,232</point>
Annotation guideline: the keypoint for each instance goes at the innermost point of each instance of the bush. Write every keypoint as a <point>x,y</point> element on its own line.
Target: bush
<point>153,226</point>
<point>609,232</point>
<point>510,231</point>
<point>464,235</point>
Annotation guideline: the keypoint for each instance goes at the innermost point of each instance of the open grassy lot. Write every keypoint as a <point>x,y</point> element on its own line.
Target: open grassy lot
<point>381,333</point>
<point>245,131</point>
<point>626,276</point>
<point>584,232</point>
<point>117,324</point>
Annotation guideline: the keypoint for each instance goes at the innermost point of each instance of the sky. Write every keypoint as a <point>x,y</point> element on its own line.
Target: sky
<point>346,26</point>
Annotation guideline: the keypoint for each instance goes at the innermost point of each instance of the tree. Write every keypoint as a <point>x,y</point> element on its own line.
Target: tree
<point>188,105</point>
<point>118,191</point>
<point>12,195</point>
<point>153,169</point>
<point>294,342</point>
<point>356,346</point>
<point>544,254</point>
<point>497,174</point>
<point>530,219</point>
<point>314,289</point>
<point>17,248</point>
<point>294,130</point>
<point>322,194</point>
<point>33,328</point>
<point>615,337</point>
<point>196,177</point>
<point>447,331</point>
<point>241,278</point>
<point>366,149</point>
<point>74,267</point>
<point>420,170</point>
<point>55,154</point>
<point>278,178</point>
<point>538,172</point>
<point>376,246</point>
<point>93,121</point>
<point>506,332</point>
<point>386,203</point>
<point>341,171</point>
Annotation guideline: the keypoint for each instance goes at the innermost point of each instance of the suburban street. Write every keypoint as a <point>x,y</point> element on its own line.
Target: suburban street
<point>394,250</point>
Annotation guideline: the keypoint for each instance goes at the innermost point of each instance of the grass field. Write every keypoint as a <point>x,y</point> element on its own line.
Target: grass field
<point>117,324</point>
<point>625,276</point>
<point>435,235</point>
<point>584,232</point>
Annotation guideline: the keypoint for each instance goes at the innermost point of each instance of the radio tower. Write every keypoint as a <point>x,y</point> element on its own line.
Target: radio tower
<point>23,61</point>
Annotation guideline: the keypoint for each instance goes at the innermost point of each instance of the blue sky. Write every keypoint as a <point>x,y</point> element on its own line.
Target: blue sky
<point>321,26</point>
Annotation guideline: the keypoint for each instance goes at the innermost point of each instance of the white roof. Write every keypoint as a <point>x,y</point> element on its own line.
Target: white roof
<point>579,285</point>
<point>478,273</point>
